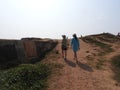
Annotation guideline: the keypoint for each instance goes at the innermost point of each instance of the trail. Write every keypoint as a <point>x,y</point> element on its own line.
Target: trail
<point>81,76</point>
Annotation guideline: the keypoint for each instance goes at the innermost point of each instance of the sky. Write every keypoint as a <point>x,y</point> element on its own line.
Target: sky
<point>53,18</point>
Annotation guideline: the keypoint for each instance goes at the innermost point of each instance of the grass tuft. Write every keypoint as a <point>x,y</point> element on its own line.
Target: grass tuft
<point>100,64</point>
<point>115,61</point>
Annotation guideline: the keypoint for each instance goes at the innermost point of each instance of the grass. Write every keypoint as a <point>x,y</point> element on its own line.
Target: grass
<point>104,49</point>
<point>102,53</point>
<point>107,48</point>
<point>115,61</point>
<point>89,57</point>
<point>109,36</point>
<point>106,37</point>
<point>100,64</point>
<point>25,77</point>
<point>96,64</point>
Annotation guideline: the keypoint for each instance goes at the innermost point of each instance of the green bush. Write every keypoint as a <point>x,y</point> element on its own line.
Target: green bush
<point>25,77</point>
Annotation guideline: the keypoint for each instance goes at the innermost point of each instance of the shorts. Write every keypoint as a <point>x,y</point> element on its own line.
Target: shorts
<point>64,47</point>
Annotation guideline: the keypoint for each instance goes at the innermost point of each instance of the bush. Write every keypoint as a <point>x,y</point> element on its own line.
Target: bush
<point>25,77</point>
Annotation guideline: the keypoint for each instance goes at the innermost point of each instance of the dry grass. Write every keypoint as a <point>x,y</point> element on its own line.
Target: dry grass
<point>115,61</point>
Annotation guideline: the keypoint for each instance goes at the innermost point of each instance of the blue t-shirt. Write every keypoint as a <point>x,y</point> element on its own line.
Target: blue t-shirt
<point>75,44</point>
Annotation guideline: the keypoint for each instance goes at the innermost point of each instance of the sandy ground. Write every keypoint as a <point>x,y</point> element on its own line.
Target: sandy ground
<point>82,76</point>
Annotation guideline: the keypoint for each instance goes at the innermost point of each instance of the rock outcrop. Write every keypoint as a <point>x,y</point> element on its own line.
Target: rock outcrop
<point>26,50</point>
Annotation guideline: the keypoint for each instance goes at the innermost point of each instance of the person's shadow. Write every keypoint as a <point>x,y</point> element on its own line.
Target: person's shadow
<point>84,66</point>
<point>70,63</point>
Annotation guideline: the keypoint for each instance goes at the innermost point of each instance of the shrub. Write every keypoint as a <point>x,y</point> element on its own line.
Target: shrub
<point>25,77</point>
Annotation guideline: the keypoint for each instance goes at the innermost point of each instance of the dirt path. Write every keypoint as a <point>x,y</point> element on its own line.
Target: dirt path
<point>81,76</point>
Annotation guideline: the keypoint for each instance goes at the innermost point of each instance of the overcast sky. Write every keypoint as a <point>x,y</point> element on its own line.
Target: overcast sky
<point>52,18</point>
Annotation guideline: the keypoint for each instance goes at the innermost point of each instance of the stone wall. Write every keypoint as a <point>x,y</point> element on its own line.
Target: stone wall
<point>15,52</point>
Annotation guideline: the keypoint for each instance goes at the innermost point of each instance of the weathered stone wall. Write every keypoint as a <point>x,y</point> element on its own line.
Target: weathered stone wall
<point>11,52</point>
<point>44,46</point>
<point>14,52</point>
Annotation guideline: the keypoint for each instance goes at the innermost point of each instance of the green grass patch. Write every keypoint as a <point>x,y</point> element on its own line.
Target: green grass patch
<point>107,48</point>
<point>116,67</point>
<point>116,61</point>
<point>25,77</point>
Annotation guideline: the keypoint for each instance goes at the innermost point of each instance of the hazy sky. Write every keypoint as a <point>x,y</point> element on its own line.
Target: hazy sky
<point>52,18</point>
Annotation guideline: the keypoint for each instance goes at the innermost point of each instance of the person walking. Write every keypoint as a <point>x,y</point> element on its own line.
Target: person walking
<point>64,46</point>
<point>75,45</point>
